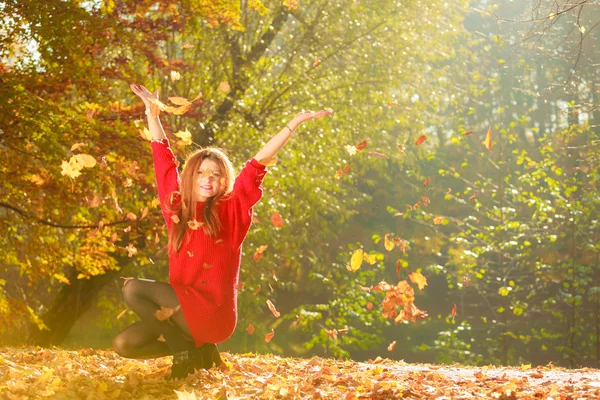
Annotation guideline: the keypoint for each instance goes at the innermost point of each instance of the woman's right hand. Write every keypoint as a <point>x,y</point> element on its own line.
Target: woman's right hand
<point>147,98</point>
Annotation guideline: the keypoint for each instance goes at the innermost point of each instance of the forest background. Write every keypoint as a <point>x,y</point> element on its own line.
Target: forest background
<point>479,178</point>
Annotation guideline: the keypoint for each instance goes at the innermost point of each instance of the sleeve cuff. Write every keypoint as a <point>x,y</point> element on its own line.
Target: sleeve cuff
<point>257,165</point>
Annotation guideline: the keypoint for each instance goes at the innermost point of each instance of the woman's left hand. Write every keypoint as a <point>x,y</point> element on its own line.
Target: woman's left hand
<point>307,115</point>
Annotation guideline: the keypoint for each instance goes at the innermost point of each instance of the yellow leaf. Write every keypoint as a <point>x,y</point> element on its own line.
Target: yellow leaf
<point>194,225</point>
<point>438,220</point>
<point>175,219</point>
<point>179,101</point>
<point>224,87</point>
<point>146,134</point>
<point>185,136</point>
<point>71,168</point>
<point>356,260</point>
<point>488,139</point>
<point>165,312</point>
<point>85,160</point>
<point>389,245</point>
<point>370,258</point>
<point>419,279</point>
<point>77,146</point>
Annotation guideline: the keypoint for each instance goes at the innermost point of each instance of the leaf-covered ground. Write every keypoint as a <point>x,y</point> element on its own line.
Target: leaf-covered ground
<point>91,374</point>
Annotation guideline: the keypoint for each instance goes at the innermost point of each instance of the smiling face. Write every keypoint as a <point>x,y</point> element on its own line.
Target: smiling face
<point>208,180</point>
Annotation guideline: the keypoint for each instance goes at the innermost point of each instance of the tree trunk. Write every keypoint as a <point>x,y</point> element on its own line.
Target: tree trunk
<point>71,302</point>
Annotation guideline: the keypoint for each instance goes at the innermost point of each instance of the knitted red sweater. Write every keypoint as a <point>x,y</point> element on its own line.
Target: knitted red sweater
<point>204,273</point>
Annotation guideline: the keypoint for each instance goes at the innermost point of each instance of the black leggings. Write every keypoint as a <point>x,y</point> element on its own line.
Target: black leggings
<point>140,340</point>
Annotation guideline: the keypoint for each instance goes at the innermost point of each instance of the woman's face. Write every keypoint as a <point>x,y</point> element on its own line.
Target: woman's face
<point>208,181</point>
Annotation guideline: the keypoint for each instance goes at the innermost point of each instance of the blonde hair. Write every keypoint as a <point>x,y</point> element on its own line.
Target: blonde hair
<point>183,202</point>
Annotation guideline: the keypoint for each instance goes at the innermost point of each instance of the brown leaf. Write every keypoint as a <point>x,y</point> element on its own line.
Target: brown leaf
<point>144,213</point>
<point>332,333</point>
<point>256,291</point>
<point>131,216</point>
<point>398,268</point>
<point>473,196</point>
<point>392,346</point>
<point>468,133</point>
<point>297,322</point>
<point>269,336</point>
<point>376,154</point>
<point>421,140</point>
<point>361,145</point>
<point>453,312</point>
<point>165,312</point>
<point>175,219</point>
<point>426,183</point>
<point>258,254</point>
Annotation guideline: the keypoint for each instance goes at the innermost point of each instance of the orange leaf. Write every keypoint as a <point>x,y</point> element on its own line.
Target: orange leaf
<point>239,286</point>
<point>419,279</point>
<point>276,220</point>
<point>121,314</point>
<point>488,139</point>
<point>369,306</point>
<point>316,63</point>
<point>269,336</point>
<point>426,183</point>
<point>297,322</point>
<point>346,169</point>
<point>161,338</point>
<point>165,312</point>
<point>224,87</point>
<point>144,213</point>
<point>449,191</point>
<point>438,220</point>
<point>332,333</point>
<point>392,346</point>
<point>131,216</point>
<point>207,266</point>
<point>250,329</point>
<point>180,101</point>
<point>398,268</point>
<point>361,145</point>
<point>453,312</point>
<point>256,291</point>
<point>259,253</point>
<point>175,219</point>
<point>473,196</point>
<point>276,313</point>
<point>420,140</point>
<point>468,133</point>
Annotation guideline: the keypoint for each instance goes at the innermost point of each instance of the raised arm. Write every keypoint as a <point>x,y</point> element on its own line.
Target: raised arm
<point>152,111</point>
<point>279,140</point>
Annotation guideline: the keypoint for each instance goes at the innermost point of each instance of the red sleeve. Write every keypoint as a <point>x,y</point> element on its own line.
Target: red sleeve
<point>167,176</point>
<point>246,193</point>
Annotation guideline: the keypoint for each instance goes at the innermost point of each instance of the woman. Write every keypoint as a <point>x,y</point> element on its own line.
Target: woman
<point>208,214</point>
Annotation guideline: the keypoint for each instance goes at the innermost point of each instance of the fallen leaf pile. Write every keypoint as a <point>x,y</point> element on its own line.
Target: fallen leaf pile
<point>94,374</point>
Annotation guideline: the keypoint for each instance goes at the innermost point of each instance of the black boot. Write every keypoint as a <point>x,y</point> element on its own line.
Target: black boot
<point>186,362</point>
<point>210,356</point>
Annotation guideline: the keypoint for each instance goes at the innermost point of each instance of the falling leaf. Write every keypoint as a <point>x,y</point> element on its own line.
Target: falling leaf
<point>401,149</point>
<point>258,254</point>
<point>185,136</point>
<point>190,254</point>
<point>466,281</point>
<point>161,338</point>
<point>131,250</point>
<point>273,309</point>
<point>207,266</point>
<point>256,291</point>
<point>370,258</point>
<point>473,196</point>
<point>239,286</point>
<point>398,268</point>
<point>76,146</point>
<point>392,346</point>
<point>146,134</point>
<point>389,245</point>
<point>131,216</point>
<point>438,220</point>
<point>269,336</point>
<point>416,205</point>
<point>275,277</point>
<point>175,76</point>
<point>144,213</point>
<point>184,395</point>
<point>398,214</point>
<point>224,87</point>
<point>350,149</point>
<point>71,168</point>
<point>343,171</point>
<point>425,201</point>
<point>488,139</point>
<point>194,225</point>
<point>468,133</point>
<point>421,140</point>
<point>419,279</point>
<point>426,183</point>
<point>121,314</point>
<point>180,101</point>
<point>449,191</point>
<point>361,145</point>
<point>156,238</point>
<point>316,63</point>
<point>356,260</point>
<point>453,312</point>
<point>114,237</point>
<point>165,312</point>
<point>175,219</point>
<point>276,220</point>
<point>187,46</point>
<point>369,306</point>
<point>95,201</point>
<point>250,329</point>
<point>128,229</point>
<point>343,331</point>
<point>376,154</point>
<point>291,4</point>
<point>297,322</point>
<point>393,104</point>
<point>332,333</point>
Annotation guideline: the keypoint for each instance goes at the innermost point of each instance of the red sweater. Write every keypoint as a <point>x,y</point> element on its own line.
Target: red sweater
<point>204,273</point>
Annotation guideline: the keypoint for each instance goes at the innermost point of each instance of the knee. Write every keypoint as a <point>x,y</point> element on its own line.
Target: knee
<point>130,290</point>
<point>122,346</point>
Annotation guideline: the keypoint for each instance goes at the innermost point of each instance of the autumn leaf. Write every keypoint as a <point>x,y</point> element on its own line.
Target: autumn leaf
<point>291,4</point>
<point>276,220</point>
<point>175,76</point>
<point>370,258</point>
<point>421,140</point>
<point>351,149</point>
<point>144,213</point>
<point>194,225</point>
<point>392,346</point>
<point>146,134</point>
<point>71,168</point>
<point>250,329</point>
<point>161,338</point>
<point>269,336</point>
<point>258,254</point>
<point>180,101</point>
<point>207,266</point>
<point>453,312</point>
<point>131,250</point>
<point>297,322</point>
<point>419,279</point>
<point>131,216</point>
<point>256,290</point>
<point>175,219</point>
<point>369,305</point>
<point>426,183</point>
<point>85,160</point>
<point>468,133</point>
<point>356,260</point>
<point>190,253</point>
<point>187,46</point>
<point>185,136</point>
<point>438,220</point>
<point>276,313</point>
<point>332,333</point>
<point>473,196</point>
<point>121,314</point>
<point>361,145</point>
<point>389,245</point>
<point>401,149</point>
<point>488,139</point>
<point>316,63</point>
<point>398,267</point>
<point>343,171</point>
<point>166,312</point>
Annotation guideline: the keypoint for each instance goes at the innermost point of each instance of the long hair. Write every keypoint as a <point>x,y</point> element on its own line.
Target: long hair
<point>183,202</point>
